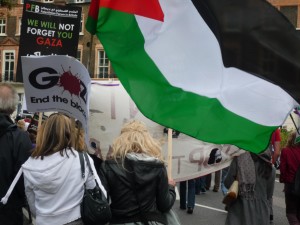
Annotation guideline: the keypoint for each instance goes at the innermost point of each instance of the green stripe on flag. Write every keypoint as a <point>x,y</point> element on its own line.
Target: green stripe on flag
<point>91,25</point>
<point>200,117</point>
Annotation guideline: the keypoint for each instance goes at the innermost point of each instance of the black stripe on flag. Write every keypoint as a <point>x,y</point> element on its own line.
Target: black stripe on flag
<point>255,37</point>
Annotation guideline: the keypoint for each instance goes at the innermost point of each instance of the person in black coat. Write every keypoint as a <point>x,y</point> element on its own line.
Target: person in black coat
<point>136,178</point>
<point>14,151</point>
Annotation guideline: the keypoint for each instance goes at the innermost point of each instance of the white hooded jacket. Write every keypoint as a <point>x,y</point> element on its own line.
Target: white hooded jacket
<point>54,187</point>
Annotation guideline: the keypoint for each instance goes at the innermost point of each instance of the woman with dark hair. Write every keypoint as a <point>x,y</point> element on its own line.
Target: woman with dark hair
<point>137,180</point>
<point>52,175</point>
<point>256,176</point>
<point>289,164</point>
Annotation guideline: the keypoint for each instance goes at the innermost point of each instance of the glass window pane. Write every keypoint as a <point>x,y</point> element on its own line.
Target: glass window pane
<point>291,13</point>
<point>103,65</point>
<point>8,64</point>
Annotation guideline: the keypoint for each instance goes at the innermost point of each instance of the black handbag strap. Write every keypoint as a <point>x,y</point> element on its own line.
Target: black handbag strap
<point>131,174</point>
<point>81,155</point>
<point>88,162</point>
<point>81,159</point>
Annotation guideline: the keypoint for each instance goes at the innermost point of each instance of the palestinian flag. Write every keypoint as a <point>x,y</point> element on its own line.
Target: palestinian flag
<point>222,71</point>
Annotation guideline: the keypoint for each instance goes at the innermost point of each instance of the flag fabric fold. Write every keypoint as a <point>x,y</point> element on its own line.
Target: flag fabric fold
<point>186,66</point>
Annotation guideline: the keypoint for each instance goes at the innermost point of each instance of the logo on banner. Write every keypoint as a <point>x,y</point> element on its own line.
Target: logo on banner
<point>47,77</point>
<point>32,7</point>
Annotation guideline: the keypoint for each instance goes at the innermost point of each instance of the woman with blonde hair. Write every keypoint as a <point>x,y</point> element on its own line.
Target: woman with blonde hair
<point>289,164</point>
<point>137,180</point>
<point>52,175</point>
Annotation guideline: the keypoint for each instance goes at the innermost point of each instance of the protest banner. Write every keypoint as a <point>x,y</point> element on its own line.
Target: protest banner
<point>111,107</point>
<point>48,29</point>
<point>57,83</point>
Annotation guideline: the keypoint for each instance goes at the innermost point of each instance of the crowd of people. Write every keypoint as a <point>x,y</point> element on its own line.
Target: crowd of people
<point>52,179</point>
<point>134,178</point>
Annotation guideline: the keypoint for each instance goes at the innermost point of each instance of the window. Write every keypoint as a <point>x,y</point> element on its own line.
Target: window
<point>8,65</point>
<point>291,13</point>
<point>103,65</point>
<point>2,26</point>
<point>20,95</point>
<point>19,106</point>
<point>48,1</point>
<point>81,25</point>
<point>79,1</point>
<point>19,24</point>
<point>79,54</point>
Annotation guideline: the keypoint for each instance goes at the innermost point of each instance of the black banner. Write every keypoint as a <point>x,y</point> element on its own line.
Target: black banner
<point>48,29</point>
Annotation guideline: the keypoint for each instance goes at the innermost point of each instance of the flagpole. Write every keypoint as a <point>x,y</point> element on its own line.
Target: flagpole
<point>88,66</point>
<point>170,153</point>
<point>294,123</point>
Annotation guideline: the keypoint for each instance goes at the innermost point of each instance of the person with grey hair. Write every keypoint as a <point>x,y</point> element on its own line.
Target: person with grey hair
<point>8,99</point>
<point>15,150</point>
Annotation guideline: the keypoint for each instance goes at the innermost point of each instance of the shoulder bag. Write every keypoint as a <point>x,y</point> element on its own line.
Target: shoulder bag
<point>172,218</point>
<point>94,207</point>
<point>232,193</point>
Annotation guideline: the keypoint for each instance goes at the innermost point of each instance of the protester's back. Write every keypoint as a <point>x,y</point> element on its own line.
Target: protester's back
<point>290,163</point>
<point>256,176</point>
<point>14,151</point>
<point>137,180</point>
<point>54,181</point>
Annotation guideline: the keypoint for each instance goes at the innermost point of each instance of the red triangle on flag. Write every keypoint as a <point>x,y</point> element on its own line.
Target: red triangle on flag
<point>146,8</point>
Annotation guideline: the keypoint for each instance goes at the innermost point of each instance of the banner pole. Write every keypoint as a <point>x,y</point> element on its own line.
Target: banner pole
<point>75,136</point>
<point>40,120</point>
<point>170,131</point>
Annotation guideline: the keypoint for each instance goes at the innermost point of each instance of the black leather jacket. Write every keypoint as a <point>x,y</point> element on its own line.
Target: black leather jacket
<point>148,183</point>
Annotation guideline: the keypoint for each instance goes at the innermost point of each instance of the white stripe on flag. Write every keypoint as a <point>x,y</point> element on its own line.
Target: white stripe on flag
<point>189,56</point>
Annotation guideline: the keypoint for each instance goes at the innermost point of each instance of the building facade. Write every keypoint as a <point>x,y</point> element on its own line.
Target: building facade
<point>289,8</point>
<point>90,51</point>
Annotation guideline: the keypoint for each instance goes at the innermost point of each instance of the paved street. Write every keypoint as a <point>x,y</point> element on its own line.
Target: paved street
<point>209,209</point>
